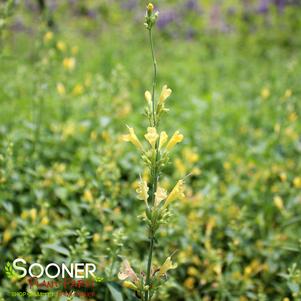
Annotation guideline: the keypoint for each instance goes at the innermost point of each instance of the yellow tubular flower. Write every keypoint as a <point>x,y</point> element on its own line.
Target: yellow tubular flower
<point>160,195</point>
<point>7,236</point>
<point>265,93</point>
<point>33,213</point>
<point>60,88</point>
<point>48,36</point>
<point>131,137</point>
<point>297,182</point>
<point>142,191</point>
<point>278,202</point>
<point>74,50</point>
<point>167,265</point>
<point>176,193</point>
<point>176,138</point>
<point>165,93</point>
<point>130,285</point>
<point>288,93</point>
<point>148,98</point>
<point>163,139</point>
<point>151,136</point>
<point>61,46</point>
<point>78,90</point>
<point>69,63</point>
<point>88,196</point>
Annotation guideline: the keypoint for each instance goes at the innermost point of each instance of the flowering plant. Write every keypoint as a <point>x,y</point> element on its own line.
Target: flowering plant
<point>157,200</point>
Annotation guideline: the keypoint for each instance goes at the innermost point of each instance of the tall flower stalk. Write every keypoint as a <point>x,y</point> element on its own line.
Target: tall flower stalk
<point>155,156</point>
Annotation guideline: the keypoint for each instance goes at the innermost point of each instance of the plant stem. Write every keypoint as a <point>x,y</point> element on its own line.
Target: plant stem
<point>154,171</point>
<point>155,75</point>
<point>110,276</point>
<point>38,122</point>
<point>149,265</point>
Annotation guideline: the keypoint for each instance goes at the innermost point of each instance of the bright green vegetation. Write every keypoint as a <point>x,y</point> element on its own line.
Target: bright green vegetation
<point>67,179</point>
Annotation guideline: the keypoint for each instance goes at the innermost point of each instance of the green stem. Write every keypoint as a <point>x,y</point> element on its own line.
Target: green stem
<point>155,75</point>
<point>110,276</point>
<point>154,172</point>
<point>39,118</point>
<point>149,265</point>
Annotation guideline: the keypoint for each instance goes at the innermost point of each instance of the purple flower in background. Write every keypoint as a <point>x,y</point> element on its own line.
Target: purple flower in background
<point>264,6</point>
<point>18,26</point>
<point>215,17</point>
<point>192,5</point>
<point>130,4</point>
<point>166,17</point>
<point>91,13</point>
<point>32,6</point>
<point>280,4</point>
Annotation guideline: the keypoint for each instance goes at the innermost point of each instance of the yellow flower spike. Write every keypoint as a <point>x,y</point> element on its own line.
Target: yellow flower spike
<point>78,90</point>
<point>74,50</point>
<point>60,88</point>
<point>176,193</point>
<point>283,176</point>
<point>61,46</point>
<point>96,238</point>
<point>163,139</point>
<point>167,265</point>
<point>151,136</point>
<point>265,93</point>
<point>148,98</point>
<point>48,36</point>
<point>192,271</point>
<point>131,137</point>
<point>288,93</point>
<point>24,214</point>
<point>180,166</point>
<point>88,196</point>
<point>130,285</point>
<point>176,138</point>
<point>142,191</point>
<point>293,117</point>
<point>189,283</point>
<point>160,195</point>
<point>278,202</point>
<point>297,182</point>
<point>69,63</point>
<point>7,236</point>
<point>165,93</point>
<point>33,214</point>
<point>45,221</point>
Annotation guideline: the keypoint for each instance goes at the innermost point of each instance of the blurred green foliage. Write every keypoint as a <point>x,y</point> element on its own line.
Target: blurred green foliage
<point>67,180</point>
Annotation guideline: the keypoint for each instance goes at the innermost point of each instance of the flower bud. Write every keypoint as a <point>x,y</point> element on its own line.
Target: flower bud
<point>150,8</point>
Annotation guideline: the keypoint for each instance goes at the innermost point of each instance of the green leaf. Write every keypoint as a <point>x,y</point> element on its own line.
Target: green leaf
<point>115,291</point>
<point>57,248</point>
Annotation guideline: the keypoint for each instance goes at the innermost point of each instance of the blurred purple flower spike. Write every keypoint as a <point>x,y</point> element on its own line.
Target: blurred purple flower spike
<point>192,5</point>
<point>166,17</point>
<point>280,4</point>
<point>130,4</point>
<point>92,14</point>
<point>264,6</point>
